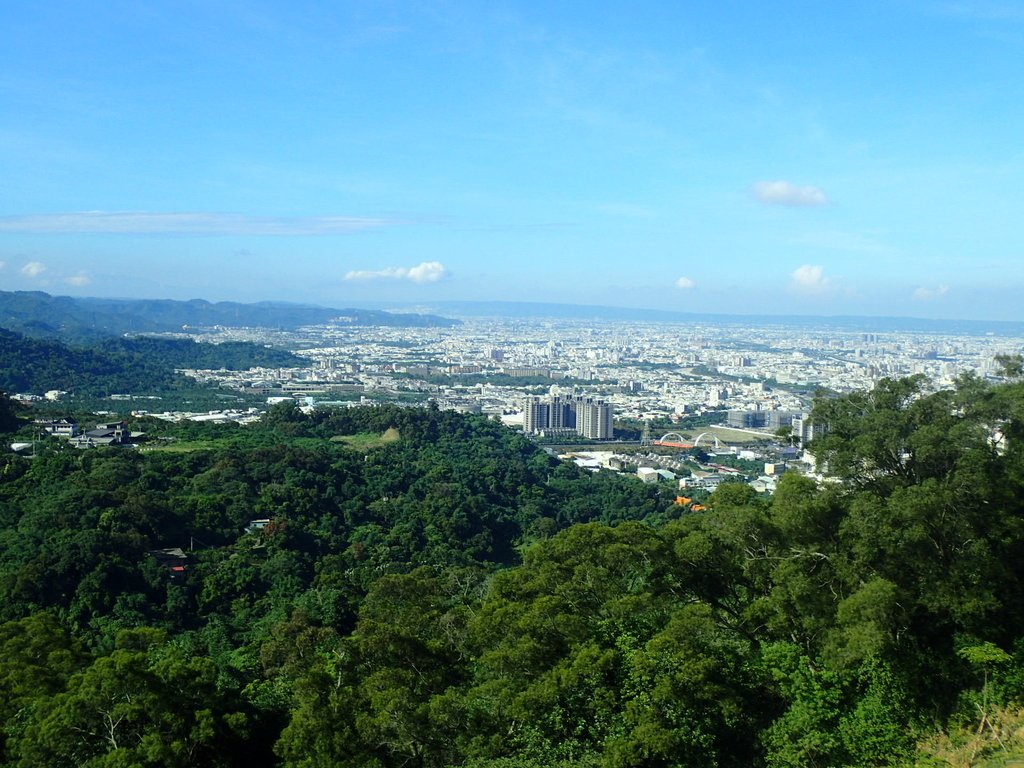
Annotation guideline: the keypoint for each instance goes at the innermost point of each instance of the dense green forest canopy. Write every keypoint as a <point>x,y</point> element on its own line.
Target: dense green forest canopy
<point>139,364</point>
<point>396,587</point>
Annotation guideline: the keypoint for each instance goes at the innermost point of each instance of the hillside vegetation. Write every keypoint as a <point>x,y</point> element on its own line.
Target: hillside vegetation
<point>39,314</point>
<point>142,364</point>
<point>439,592</point>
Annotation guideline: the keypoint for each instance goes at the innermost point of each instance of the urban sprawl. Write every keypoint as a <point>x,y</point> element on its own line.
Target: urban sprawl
<point>573,382</point>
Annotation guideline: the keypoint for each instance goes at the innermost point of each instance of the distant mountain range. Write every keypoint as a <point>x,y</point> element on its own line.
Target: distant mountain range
<point>39,314</point>
<point>583,312</point>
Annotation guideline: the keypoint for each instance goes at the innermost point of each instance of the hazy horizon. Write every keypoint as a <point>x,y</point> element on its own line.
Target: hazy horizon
<point>791,160</point>
<point>579,313</point>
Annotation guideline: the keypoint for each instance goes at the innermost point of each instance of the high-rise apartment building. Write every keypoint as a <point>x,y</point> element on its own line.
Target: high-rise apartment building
<point>587,416</point>
<point>760,419</point>
<point>805,431</point>
<point>594,419</point>
<point>536,415</point>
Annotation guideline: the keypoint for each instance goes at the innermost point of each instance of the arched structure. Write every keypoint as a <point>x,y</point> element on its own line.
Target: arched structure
<point>673,440</point>
<point>702,435</point>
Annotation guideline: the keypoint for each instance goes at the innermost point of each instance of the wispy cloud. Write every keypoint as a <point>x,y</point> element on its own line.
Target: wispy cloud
<point>2,265</point>
<point>924,293</point>
<point>103,222</point>
<point>427,272</point>
<point>685,283</point>
<point>78,280</point>
<point>810,279</point>
<point>984,10</point>
<point>789,194</point>
<point>33,269</point>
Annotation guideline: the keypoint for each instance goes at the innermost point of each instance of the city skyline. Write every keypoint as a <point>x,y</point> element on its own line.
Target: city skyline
<point>796,159</point>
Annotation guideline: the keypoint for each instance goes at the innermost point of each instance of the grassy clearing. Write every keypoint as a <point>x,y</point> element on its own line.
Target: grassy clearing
<point>183,446</point>
<point>367,441</point>
<point>724,434</point>
<point>998,743</point>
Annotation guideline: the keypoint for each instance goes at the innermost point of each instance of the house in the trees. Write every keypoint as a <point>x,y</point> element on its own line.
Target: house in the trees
<point>59,427</point>
<point>173,559</point>
<point>115,433</point>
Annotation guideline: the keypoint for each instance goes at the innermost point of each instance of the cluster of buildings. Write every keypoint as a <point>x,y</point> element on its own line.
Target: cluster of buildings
<point>645,370</point>
<point>114,433</point>
<point>760,419</point>
<point>528,371</point>
<point>575,414</point>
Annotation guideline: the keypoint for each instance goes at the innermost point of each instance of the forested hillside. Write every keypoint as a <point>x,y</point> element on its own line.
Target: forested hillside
<point>425,588</point>
<point>39,314</point>
<point>121,364</point>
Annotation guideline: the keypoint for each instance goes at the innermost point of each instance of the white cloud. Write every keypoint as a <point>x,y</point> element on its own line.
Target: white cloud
<point>3,264</point>
<point>396,273</point>
<point>122,223</point>
<point>427,272</point>
<point>685,283</point>
<point>33,269</point>
<point>78,280</point>
<point>930,294</point>
<point>810,279</point>
<point>787,193</point>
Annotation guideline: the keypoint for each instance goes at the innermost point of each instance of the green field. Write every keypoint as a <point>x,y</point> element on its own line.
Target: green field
<point>367,441</point>
<point>724,434</point>
<point>185,446</point>
<point>363,441</point>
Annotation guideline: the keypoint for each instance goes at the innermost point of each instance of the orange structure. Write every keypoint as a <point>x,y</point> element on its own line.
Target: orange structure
<point>673,440</point>
<point>672,444</point>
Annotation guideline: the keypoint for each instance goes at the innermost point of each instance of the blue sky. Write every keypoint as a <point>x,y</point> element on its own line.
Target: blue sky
<point>790,157</point>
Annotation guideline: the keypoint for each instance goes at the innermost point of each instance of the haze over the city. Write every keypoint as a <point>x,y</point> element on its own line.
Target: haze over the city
<point>791,158</point>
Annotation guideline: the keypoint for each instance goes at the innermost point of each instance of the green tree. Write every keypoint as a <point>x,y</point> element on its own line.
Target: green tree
<point>37,656</point>
<point>9,420</point>
<point>147,703</point>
